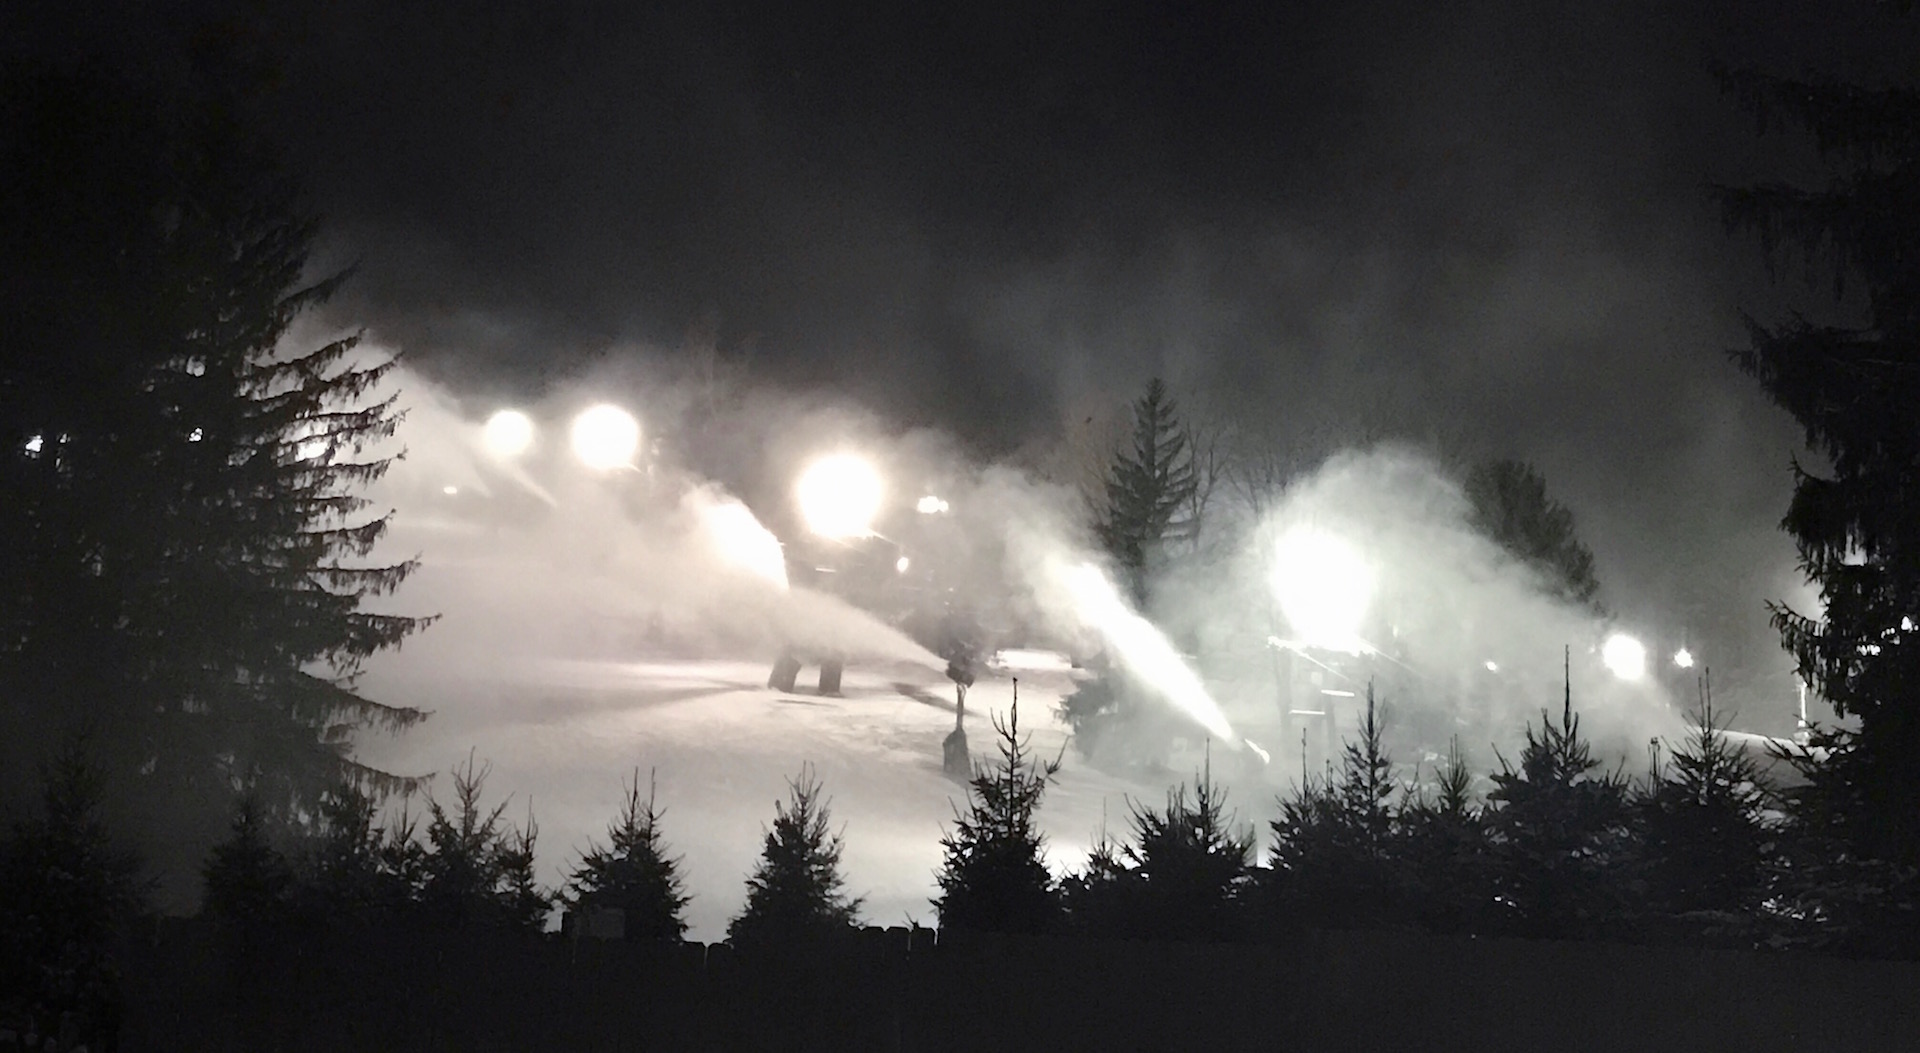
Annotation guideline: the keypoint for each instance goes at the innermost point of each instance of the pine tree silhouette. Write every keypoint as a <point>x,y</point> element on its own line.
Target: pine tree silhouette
<point>1446,851</point>
<point>249,882</point>
<point>1337,845</point>
<point>994,878</point>
<point>1191,866</point>
<point>1097,898</point>
<point>344,875</point>
<point>1559,835</point>
<point>1701,828</point>
<point>634,874</point>
<point>188,541</point>
<point>796,890</point>
<point>477,869</point>
<point>1148,490</point>
<point>67,893</point>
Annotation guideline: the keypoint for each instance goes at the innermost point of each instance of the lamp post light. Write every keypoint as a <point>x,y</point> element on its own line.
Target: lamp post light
<point>605,437</point>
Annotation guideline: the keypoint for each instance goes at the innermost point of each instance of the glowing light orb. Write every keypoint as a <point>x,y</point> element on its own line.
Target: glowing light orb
<point>839,496</point>
<point>743,542</point>
<point>930,506</point>
<point>1683,658</point>
<point>1324,587</point>
<point>450,491</point>
<point>900,565</point>
<point>35,443</point>
<point>1624,656</point>
<point>1493,667</point>
<point>1143,649</point>
<point>508,433</point>
<point>605,437</point>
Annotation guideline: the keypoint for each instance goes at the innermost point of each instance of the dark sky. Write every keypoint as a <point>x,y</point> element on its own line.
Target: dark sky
<point>1470,222</point>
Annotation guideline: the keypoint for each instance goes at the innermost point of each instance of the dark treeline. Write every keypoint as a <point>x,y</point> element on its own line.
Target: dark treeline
<point>185,566</point>
<point>1700,849</point>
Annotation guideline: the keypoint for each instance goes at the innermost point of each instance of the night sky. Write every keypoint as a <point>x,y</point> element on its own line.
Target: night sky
<point>1469,225</point>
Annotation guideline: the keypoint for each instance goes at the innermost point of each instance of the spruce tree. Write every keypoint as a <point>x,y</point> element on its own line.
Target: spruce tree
<point>1701,828</point>
<point>1852,381</point>
<point>181,486</point>
<point>1446,851</point>
<point>994,877</point>
<point>67,892</point>
<point>634,874</point>
<point>1149,491</point>
<point>477,869</point>
<point>1337,845</point>
<point>343,876</point>
<point>249,882</point>
<point>1558,836</point>
<point>1097,899</point>
<point>1192,866</point>
<point>523,903</point>
<point>1510,505</point>
<point>796,891</point>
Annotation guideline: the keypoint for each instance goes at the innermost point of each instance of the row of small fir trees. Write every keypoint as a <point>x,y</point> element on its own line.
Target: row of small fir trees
<point>1700,848</point>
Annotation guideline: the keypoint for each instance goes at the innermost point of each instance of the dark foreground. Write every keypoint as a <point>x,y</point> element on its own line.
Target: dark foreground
<point>892,990</point>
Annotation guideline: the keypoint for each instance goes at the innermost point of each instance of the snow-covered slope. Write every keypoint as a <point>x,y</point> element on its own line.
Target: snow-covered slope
<point>564,734</point>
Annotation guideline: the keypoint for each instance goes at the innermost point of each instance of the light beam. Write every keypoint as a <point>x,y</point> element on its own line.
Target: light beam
<point>1143,649</point>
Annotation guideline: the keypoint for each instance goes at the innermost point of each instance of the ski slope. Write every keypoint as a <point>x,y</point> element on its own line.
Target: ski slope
<point>562,734</point>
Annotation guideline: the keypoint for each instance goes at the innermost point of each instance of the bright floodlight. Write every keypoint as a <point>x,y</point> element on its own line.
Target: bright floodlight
<point>930,506</point>
<point>1624,656</point>
<point>605,437</point>
<point>1683,658</point>
<point>508,433</point>
<point>1324,587</point>
<point>839,496</point>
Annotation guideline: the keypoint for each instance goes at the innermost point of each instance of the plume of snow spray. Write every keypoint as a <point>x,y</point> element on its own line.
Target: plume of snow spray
<point>1143,649</point>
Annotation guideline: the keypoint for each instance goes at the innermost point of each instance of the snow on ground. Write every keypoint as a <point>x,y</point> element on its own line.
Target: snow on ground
<point>564,734</point>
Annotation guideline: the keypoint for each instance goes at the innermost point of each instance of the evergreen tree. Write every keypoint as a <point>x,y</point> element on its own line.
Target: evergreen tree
<point>248,880</point>
<point>477,869</point>
<point>994,877</point>
<point>1511,507</point>
<point>344,876</point>
<point>1701,827</point>
<point>796,890</point>
<point>1191,867</point>
<point>1446,851</point>
<point>1149,491</point>
<point>66,895</point>
<point>181,488</point>
<point>634,874</point>
<point>1852,383</point>
<point>523,903</point>
<point>1336,846</point>
<point>1558,836</point>
<point>1097,898</point>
